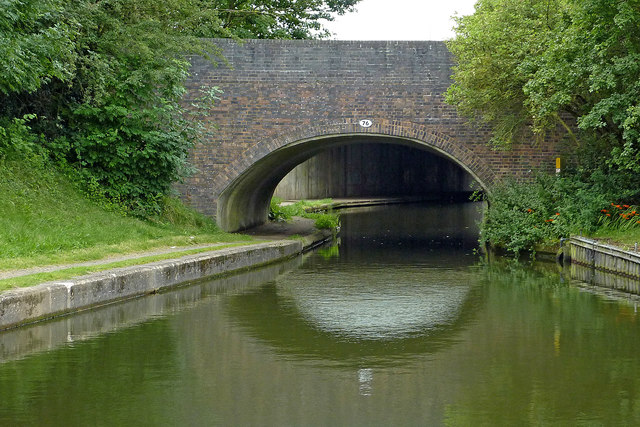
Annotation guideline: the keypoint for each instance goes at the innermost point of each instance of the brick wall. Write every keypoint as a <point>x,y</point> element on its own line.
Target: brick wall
<point>278,93</point>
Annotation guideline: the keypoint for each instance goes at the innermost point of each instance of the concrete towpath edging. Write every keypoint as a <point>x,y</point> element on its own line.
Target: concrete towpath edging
<point>51,299</point>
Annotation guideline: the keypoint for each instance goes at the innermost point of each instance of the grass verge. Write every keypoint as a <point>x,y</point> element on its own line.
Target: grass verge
<point>623,238</point>
<point>45,219</point>
<point>68,273</point>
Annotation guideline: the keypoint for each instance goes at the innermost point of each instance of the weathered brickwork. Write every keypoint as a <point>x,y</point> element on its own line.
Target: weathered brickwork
<point>280,93</point>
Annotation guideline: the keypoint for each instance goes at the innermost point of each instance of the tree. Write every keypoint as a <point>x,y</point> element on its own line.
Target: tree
<point>36,45</point>
<point>102,81</point>
<point>593,71</point>
<point>272,19</point>
<point>525,65</point>
<point>497,50</point>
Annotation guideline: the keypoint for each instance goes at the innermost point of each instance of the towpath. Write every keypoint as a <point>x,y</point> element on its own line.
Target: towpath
<point>270,231</point>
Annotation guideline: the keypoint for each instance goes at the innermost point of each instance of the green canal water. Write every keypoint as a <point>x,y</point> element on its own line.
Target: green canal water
<point>401,324</point>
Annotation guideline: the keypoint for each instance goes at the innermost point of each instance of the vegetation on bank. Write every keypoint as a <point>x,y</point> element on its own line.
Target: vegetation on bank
<point>284,212</point>
<point>524,68</point>
<point>94,129</point>
<point>522,215</point>
<point>46,218</point>
<point>99,86</point>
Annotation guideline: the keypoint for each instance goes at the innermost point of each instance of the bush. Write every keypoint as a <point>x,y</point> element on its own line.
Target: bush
<point>327,221</point>
<point>518,217</point>
<point>521,215</point>
<point>278,212</point>
<point>16,137</point>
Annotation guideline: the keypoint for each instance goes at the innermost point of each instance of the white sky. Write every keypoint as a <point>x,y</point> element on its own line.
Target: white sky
<point>400,20</point>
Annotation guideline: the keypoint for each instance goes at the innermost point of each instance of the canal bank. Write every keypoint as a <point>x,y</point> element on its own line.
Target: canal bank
<point>56,298</point>
<point>596,264</point>
<point>603,257</point>
<point>401,324</point>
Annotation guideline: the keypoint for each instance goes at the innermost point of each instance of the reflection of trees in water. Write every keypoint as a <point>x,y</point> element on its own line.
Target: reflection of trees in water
<point>552,353</point>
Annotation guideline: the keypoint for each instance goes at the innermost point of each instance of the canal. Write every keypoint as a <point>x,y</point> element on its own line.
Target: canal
<point>402,323</point>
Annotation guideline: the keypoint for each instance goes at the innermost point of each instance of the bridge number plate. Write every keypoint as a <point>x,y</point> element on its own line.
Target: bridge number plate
<point>366,123</point>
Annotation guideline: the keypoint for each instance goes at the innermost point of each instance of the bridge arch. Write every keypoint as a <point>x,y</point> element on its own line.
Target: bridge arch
<point>244,188</point>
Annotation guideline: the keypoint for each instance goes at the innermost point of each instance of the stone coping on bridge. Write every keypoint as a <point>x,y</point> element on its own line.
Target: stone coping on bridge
<point>52,299</point>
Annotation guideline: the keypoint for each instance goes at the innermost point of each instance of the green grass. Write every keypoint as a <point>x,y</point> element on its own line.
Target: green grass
<point>323,220</point>
<point>45,219</point>
<point>624,238</point>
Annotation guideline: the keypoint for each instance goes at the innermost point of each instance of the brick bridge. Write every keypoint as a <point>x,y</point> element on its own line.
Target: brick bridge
<point>287,101</point>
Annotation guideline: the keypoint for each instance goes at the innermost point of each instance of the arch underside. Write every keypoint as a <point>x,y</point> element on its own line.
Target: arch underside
<point>243,201</point>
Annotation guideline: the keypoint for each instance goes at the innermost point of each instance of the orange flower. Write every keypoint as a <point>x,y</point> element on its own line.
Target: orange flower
<point>549,220</point>
<point>529,210</point>
<point>608,214</point>
<point>604,210</point>
<point>626,206</point>
<point>557,213</point>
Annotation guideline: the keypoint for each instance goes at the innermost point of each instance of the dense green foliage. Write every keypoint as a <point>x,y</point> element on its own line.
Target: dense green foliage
<point>99,85</point>
<point>522,215</point>
<point>36,44</point>
<point>496,50</point>
<point>526,67</point>
<point>267,19</point>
